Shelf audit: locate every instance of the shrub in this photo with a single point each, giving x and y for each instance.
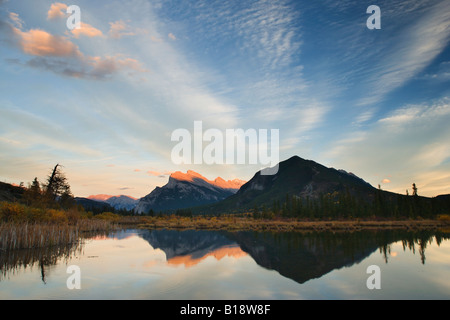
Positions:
(10, 211)
(57, 216)
(36, 215)
(444, 217)
(109, 216)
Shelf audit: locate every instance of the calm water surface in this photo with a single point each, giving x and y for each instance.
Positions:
(163, 264)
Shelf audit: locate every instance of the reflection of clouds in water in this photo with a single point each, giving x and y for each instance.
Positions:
(438, 257)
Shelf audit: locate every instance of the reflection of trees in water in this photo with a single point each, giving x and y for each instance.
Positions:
(412, 241)
(13, 261)
(302, 256)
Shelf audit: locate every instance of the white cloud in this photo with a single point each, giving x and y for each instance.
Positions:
(407, 144)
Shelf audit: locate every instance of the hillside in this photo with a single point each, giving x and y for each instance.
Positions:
(9, 192)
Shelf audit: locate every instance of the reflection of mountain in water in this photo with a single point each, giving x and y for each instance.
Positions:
(233, 251)
(298, 256)
(305, 256)
(302, 257)
(196, 244)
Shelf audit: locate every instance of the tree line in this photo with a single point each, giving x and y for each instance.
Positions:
(345, 205)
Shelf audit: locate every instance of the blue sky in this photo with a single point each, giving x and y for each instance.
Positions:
(104, 100)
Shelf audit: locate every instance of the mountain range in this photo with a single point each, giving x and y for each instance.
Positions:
(297, 177)
(121, 202)
(299, 187)
(185, 190)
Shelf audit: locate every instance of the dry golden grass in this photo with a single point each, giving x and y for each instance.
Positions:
(234, 223)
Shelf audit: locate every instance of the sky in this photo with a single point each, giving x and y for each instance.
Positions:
(103, 100)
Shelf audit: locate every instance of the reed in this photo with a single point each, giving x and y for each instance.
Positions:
(26, 235)
(38, 235)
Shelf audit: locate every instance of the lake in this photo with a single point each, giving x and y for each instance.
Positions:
(201, 265)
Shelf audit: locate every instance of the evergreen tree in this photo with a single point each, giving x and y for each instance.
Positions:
(57, 189)
(33, 195)
(414, 188)
(57, 184)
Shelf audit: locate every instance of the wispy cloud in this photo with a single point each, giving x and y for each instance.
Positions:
(413, 50)
(33, 130)
(271, 30)
(16, 20)
(119, 29)
(159, 174)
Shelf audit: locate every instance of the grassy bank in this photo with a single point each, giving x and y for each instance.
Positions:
(234, 223)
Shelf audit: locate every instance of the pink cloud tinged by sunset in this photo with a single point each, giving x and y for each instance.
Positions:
(17, 21)
(57, 10)
(110, 65)
(86, 30)
(159, 174)
(118, 29)
(41, 43)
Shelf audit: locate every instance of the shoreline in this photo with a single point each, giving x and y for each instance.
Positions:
(281, 225)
